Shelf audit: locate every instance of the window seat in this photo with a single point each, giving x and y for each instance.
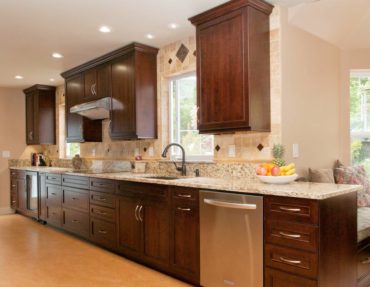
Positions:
(363, 225)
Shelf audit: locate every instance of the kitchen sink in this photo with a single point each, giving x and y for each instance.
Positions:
(163, 177)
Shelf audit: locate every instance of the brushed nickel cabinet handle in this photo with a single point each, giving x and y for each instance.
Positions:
(366, 261)
(136, 216)
(102, 199)
(140, 213)
(184, 209)
(289, 235)
(53, 193)
(289, 261)
(100, 212)
(184, 195)
(103, 231)
(290, 209)
(74, 198)
(13, 185)
(75, 221)
(13, 201)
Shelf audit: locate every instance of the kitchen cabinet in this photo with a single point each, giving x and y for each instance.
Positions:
(42, 210)
(18, 190)
(134, 94)
(40, 115)
(144, 222)
(53, 204)
(78, 128)
(233, 67)
(129, 77)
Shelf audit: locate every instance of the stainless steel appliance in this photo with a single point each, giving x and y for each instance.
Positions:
(32, 190)
(231, 239)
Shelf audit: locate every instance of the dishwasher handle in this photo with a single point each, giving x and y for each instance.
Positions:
(233, 205)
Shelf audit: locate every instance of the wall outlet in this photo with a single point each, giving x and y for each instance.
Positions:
(151, 151)
(6, 154)
(232, 151)
(295, 152)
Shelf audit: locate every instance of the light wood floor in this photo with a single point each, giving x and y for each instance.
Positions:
(35, 255)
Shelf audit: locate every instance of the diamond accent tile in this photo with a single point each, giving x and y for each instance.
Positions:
(217, 147)
(195, 53)
(260, 147)
(170, 61)
(182, 52)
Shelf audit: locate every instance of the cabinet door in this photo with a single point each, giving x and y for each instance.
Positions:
(155, 216)
(90, 84)
(42, 197)
(185, 239)
(31, 136)
(74, 95)
(103, 80)
(123, 116)
(22, 194)
(222, 82)
(129, 229)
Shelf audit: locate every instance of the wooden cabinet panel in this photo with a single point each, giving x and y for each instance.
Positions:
(103, 80)
(105, 213)
(42, 197)
(275, 278)
(102, 199)
(233, 67)
(102, 185)
(90, 85)
(104, 233)
(30, 119)
(130, 229)
(53, 195)
(75, 181)
(54, 215)
(76, 222)
(22, 194)
(155, 217)
(53, 178)
(76, 198)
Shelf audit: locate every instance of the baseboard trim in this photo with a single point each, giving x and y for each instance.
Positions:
(6, 210)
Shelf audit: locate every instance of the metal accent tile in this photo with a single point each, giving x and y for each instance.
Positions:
(217, 147)
(260, 147)
(182, 52)
(170, 61)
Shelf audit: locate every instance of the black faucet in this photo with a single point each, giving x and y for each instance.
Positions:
(183, 167)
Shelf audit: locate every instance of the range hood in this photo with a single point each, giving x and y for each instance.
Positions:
(95, 110)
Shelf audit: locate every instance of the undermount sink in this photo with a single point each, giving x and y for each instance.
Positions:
(163, 177)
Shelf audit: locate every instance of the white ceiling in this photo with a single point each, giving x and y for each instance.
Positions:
(31, 30)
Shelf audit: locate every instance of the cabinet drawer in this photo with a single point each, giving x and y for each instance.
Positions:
(76, 181)
(184, 193)
(104, 233)
(76, 198)
(363, 262)
(20, 174)
(127, 188)
(53, 195)
(54, 215)
(105, 213)
(102, 185)
(102, 199)
(76, 222)
(274, 278)
(291, 209)
(292, 261)
(53, 178)
(289, 234)
(13, 200)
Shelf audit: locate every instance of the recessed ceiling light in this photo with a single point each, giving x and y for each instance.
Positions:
(105, 29)
(150, 36)
(57, 55)
(173, 26)
(18, 77)
(51, 79)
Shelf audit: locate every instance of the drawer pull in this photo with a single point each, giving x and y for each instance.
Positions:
(13, 185)
(100, 212)
(184, 195)
(102, 199)
(75, 221)
(53, 193)
(184, 209)
(288, 235)
(289, 261)
(366, 261)
(13, 201)
(103, 231)
(290, 209)
(74, 198)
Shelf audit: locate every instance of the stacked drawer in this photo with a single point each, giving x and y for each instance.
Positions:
(291, 242)
(53, 193)
(103, 212)
(75, 203)
(15, 177)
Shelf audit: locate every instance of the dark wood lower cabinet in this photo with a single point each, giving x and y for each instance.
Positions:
(274, 278)
(42, 197)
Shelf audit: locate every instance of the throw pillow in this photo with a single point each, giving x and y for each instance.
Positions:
(321, 175)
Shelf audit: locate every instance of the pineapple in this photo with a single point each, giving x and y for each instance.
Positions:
(278, 154)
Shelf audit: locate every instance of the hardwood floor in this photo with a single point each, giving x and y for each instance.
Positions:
(35, 255)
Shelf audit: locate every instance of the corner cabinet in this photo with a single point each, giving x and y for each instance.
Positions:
(40, 115)
(233, 67)
(129, 77)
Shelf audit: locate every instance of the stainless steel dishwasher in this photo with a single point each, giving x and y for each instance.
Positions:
(231, 239)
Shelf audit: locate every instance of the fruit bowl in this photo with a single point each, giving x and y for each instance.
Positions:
(278, 179)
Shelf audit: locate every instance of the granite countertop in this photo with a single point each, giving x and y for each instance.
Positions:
(307, 190)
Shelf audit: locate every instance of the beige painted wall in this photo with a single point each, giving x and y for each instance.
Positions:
(12, 130)
(310, 97)
(350, 60)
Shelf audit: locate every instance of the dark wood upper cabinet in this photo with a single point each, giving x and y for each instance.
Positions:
(129, 77)
(78, 128)
(40, 115)
(233, 67)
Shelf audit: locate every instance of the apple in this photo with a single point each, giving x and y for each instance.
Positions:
(261, 170)
(275, 171)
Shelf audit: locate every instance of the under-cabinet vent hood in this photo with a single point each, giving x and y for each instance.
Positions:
(95, 110)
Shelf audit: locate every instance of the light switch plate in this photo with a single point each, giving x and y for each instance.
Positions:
(6, 154)
(295, 151)
(231, 150)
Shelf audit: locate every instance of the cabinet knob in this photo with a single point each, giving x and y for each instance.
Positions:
(30, 135)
